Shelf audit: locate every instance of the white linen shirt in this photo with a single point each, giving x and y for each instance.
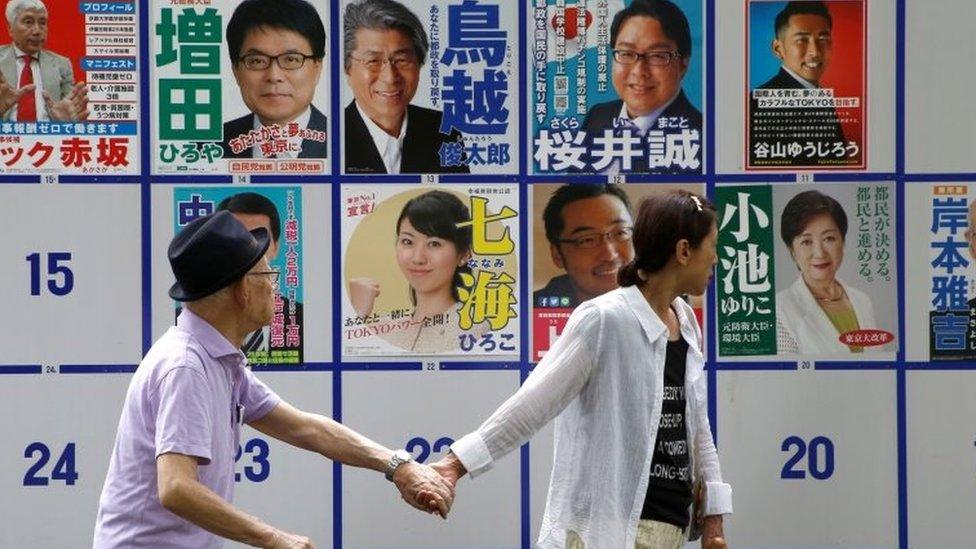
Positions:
(604, 377)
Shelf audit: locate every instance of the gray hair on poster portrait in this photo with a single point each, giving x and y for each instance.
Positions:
(382, 15)
(14, 7)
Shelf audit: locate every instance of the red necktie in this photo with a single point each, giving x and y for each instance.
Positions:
(26, 108)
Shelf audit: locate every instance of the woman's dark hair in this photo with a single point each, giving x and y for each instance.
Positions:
(437, 213)
(804, 207)
(663, 220)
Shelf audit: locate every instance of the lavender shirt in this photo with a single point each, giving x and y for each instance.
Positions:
(189, 396)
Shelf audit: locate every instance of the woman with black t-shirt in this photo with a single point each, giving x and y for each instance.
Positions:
(626, 380)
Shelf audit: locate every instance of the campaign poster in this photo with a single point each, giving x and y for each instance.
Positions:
(951, 209)
(807, 271)
(278, 209)
(437, 94)
(806, 78)
(577, 253)
(630, 107)
(73, 109)
(240, 87)
(430, 270)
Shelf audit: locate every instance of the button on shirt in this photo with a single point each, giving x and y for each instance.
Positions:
(189, 396)
(389, 147)
(38, 83)
(603, 378)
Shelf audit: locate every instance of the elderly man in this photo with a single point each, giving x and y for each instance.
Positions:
(276, 50)
(170, 480)
(651, 42)
(384, 46)
(36, 83)
(804, 44)
(589, 230)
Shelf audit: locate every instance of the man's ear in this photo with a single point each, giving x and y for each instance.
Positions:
(240, 292)
(777, 48)
(557, 256)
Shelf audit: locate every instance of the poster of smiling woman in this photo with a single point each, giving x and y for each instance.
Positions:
(430, 270)
(807, 272)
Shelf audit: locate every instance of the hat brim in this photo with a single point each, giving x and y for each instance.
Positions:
(263, 237)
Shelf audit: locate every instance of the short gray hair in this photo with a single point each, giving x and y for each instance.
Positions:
(14, 7)
(381, 15)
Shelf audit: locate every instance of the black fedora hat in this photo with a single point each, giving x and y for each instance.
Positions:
(211, 252)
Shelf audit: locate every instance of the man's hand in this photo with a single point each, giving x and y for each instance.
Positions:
(713, 536)
(362, 293)
(74, 106)
(423, 488)
(10, 95)
(284, 540)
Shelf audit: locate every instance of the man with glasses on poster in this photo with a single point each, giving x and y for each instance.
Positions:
(589, 230)
(384, 46)
(651, 42)
(276, 51)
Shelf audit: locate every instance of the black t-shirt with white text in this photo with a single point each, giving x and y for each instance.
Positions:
(669, 490)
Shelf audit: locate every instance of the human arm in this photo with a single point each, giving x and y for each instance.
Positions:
(337, 442)
(183, 494)
(557, 380)
(362, 294)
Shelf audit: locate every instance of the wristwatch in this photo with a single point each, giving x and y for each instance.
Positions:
(399, 458)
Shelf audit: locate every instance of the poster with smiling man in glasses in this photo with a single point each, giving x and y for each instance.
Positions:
(236, 85)
(616, 90)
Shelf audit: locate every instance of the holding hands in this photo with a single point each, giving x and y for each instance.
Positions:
(424, 488)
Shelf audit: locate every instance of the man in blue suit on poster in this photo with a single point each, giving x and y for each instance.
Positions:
(276, 50)
(651, 41)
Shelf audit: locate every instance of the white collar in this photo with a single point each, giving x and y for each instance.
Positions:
(18, 54)
(378, 134)
(389, 147)
(645, 122)
(302, 120)
(803, 81)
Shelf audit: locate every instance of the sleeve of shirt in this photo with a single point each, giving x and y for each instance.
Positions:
(556, 381)
(257, 398)
(718, 494)
(184, 417)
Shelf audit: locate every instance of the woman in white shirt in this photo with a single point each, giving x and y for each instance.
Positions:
(626, 380)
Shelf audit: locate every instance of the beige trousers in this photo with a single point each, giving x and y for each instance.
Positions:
(651, 534)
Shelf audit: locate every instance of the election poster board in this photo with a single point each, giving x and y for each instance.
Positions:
(72, 276)
(91, 50)
(564, 274)
(806, 84)
(806, 271)
(591, 113)
(459, 103)
(810, 445)
(442, 406)
(430, 270)
(249, 115)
